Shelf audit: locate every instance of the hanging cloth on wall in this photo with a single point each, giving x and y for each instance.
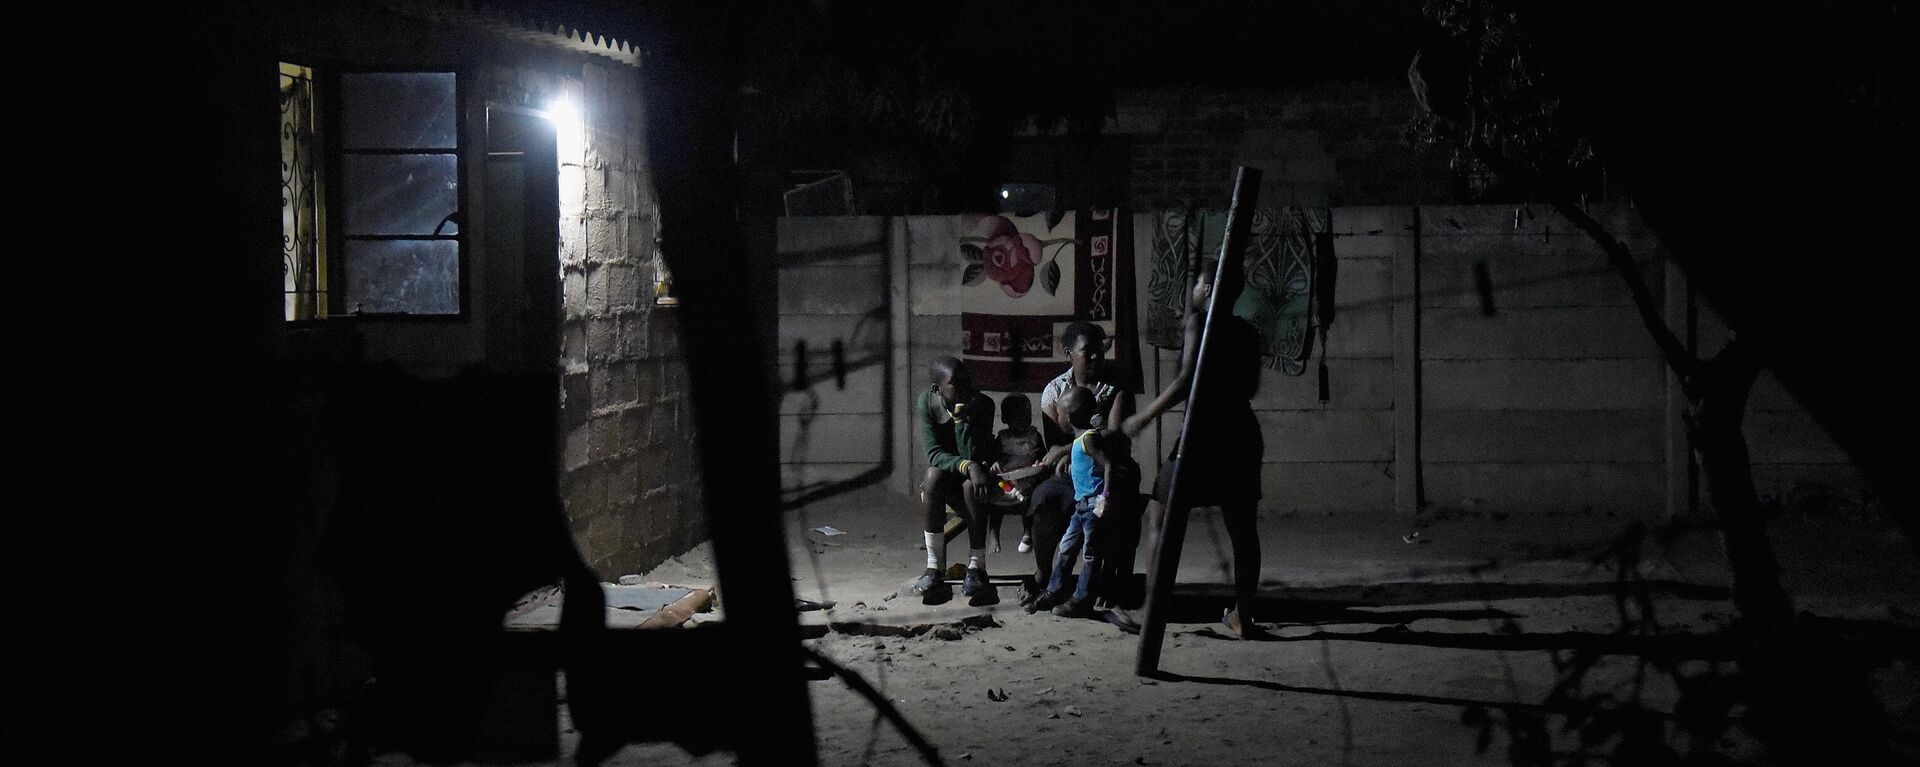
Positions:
(1285, 248)
(1024, 278)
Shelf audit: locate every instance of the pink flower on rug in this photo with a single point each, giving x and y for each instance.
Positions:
(1010, 254)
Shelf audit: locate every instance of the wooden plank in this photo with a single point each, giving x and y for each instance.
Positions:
(673, 615)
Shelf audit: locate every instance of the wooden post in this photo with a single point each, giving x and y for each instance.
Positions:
(1173, 523)
(1407, 495)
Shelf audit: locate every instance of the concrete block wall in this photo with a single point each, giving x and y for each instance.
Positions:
(1334, 456)
(1795, 462)
(833, 288)
(1555, 401)
(1325, 145)
(630, 484)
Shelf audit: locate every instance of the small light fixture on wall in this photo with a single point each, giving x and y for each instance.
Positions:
(662, 279)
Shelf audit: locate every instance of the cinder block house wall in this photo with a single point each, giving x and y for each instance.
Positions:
(630, 488)
(630, 483)
(612, 371)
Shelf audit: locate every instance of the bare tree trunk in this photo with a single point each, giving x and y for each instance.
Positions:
(1717, 392)
(1718, 404)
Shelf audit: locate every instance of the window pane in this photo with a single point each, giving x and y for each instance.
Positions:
(397, 110)
(400, 194)
(413, 276)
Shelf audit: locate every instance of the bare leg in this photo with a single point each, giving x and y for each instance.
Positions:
(1240, 519)
(976, 586)
(978, 513)
(934, 500)
(996, 518)
(936, 493)
(1150, 526)
(1150, 533)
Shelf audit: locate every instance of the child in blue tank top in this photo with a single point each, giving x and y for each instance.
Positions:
(1092, 463)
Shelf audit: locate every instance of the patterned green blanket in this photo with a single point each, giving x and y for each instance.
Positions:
(1285, 245)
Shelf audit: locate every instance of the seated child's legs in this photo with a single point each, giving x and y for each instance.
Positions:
(940, 489)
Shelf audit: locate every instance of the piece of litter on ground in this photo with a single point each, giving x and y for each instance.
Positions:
(829, 530)
(1072, 710)
(1410, 537)
(1043, 691)
(967, 756)
(630, 580)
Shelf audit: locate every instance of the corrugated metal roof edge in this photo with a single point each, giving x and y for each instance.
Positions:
(518, 26)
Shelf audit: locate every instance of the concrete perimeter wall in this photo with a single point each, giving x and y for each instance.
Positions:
(1483, 358)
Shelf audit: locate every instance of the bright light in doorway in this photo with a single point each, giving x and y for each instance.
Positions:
(569, 128)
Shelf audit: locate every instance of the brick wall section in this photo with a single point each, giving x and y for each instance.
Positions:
(1335, 144)
(630, 482)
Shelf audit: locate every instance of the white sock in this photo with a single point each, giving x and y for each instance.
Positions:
(976, 558)
(937, 551)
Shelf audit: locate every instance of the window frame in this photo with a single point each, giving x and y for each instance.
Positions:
(332, 128)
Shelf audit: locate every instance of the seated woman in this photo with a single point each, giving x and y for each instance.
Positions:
(1052, 500)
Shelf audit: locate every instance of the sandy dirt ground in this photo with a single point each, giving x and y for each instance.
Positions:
(1381, 651)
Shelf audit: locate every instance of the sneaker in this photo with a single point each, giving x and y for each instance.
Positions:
(931, 587)
(978, 590)
(1026, 544)
(1074, 608)
(1047, 600)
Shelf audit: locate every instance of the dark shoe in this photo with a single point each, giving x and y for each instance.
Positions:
(978, 590)
(931, 587)
(1074, 608)
(1125, 620)
(1027, 595)
(1047, 600)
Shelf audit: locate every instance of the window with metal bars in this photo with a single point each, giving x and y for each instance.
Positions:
(375, 230)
